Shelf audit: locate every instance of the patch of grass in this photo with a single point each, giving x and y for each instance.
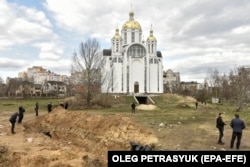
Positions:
(185, 127)
(28, 104)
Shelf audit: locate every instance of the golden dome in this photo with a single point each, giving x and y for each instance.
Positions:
(131, 23)
(151, 36)
(117, 35)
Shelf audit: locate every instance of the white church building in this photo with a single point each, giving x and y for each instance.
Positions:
(132, 65)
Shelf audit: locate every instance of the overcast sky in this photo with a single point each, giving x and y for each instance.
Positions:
(194, 36)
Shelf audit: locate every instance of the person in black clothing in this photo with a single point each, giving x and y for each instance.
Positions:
(196, 105)
(49, 107)
(237, 125)
(20, 117)
(133, 107)
(36, 108)
(12, 120)
(220, 125)
(66, 105)
(61, 104)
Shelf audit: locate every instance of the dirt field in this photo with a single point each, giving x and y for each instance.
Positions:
(78, 139)
(83, 139)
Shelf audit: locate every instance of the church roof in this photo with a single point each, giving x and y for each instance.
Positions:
(159, 54)
(106, 52)
(131, 23)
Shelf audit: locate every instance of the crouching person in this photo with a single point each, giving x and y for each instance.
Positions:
(12, 120)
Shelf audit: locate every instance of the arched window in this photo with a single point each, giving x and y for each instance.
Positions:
(136, 50)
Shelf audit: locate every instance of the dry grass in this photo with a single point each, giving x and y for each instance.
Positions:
(185, 127)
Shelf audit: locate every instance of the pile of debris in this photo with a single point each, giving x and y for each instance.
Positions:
(138, 147)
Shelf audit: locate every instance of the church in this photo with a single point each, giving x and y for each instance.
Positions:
(132, 65)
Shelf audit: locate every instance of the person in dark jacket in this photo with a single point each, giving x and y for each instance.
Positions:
(36, 108)
(21, 113)
(66, 105)
(12, 120)
(220, 125)
(49, 107)
(196, 105)
(133, 107)
(237, 125)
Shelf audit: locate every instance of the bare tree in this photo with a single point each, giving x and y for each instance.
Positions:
(12, 86)
(109, 81)
(239, 79)
(226, 89)
(2, 87)
(86, 67)
(214, 81)
(203, 94)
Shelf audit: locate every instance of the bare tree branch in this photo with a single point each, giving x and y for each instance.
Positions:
(86, 68)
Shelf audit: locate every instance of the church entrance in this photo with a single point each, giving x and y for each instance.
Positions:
(136, 87)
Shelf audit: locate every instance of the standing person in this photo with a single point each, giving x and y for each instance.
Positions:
(133, 107)
(66, 105)
(12, 120)
(36, 108)
(20, 117)
(237, 125)
(49, 107)
(220, 125)
(196, 105)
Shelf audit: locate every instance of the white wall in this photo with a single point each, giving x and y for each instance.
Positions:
(137, 74)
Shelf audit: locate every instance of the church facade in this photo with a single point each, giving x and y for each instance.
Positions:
(132, 65)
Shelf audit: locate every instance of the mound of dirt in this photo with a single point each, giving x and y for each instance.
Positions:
(78, 139)
(146, 107)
